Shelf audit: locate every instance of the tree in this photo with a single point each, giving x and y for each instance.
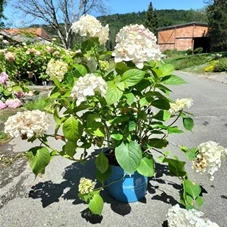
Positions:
(151, 21)
(2, 4)
(59, 14)
(217, 21)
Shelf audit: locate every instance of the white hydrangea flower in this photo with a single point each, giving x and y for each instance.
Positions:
(178, 217)
(180, 104)
(208, 158)
(87, 86)
(56, 69)
(90, 26)
(86, 186)
(137, 44)
(27, 124)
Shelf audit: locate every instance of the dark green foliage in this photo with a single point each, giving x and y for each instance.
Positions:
(221, 65)
(151, 21)
(198, 50)
(217, 21)
(189, 51)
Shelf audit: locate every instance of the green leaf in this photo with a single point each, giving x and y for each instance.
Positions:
(163, 115)
(174, 129)
(161, 103)
(176, 167)
(158, 143)
(143, 102)
(166, 69)
(129, 156)
(130, 98)
(81, 69)
(131, 126)
(72, 129)
(113, 93)
(102, 177)
(94, 126)
(173, 80)
(191, 188)
(39, 158)
(191, 153)
(96, 204)
(121, 67)
(116, 136)
(146, 167)
(188, 123)
(70, 148)
(132, 77)
(102, 162)
(199, 201)
(55, 95)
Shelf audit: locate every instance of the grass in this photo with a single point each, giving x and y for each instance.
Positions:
(41, 104)
(192, 63)
(187, 61)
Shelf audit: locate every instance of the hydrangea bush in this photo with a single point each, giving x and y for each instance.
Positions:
(124, 105)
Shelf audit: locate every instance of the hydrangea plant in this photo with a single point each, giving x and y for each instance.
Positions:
(124, 105)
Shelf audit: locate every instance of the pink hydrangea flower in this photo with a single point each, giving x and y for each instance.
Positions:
(13, 103)
(2, 105)
(3, 78)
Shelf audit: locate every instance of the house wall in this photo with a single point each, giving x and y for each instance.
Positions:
(180, 38)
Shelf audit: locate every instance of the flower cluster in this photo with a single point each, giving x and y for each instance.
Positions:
(180, 104)
(27, 124)
(3, 78)
(137, 44)
(104, 65)
(9, 56)
(87, 86)
(2, 105)
(208, 158)
(13, 103)
(86, 186)
(178, 217)
(90, 26)
(56, 69)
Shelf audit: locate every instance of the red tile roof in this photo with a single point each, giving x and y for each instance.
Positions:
(39, 32)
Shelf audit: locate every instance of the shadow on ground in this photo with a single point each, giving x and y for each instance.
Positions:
(50, 192)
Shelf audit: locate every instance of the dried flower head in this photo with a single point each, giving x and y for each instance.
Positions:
(178, 217)
(208, 158)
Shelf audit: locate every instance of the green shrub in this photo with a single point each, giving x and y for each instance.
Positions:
(198, 50)
(210, 66)
(189, 61)
(221, 65)
(189, 52)
(173, 53)
(39, 104)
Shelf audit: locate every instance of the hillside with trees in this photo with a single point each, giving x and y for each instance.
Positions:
(164, 18)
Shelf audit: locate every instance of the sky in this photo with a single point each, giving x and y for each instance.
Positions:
(123, 6)
(126, 6)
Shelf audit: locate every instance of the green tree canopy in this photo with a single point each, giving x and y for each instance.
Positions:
(217, 21)
(151, 21)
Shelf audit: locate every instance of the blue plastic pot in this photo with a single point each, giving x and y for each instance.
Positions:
(129, 189)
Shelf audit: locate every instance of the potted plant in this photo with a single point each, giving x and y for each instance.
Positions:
(118, 101)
